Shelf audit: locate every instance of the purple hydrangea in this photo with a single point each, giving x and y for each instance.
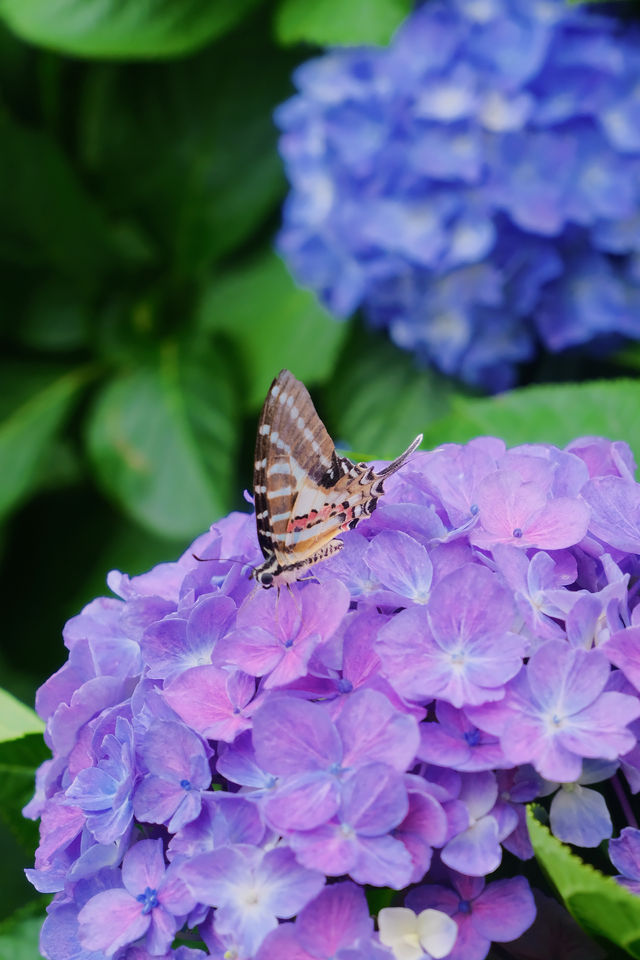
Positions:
(475, 187)
(233, 766)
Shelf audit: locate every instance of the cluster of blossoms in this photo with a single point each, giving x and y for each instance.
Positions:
(475, 187)
(228, 758)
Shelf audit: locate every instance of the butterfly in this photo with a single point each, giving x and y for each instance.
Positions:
(305, 494)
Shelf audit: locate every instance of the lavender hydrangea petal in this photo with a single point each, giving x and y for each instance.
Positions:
(476, 851)
(623, 650)
(328, 848)
(516, 512)
(173, 751)
(337, 917)
(401, 564)
(382, 861)
(211, 700)
(237, 762)
(371, 729)
(290, 736)
(59, 935)
(580, 816)
(110, 920)
(374, 799)
(625, 853)
(504, 910)
(581, 676)
(290, 886)
(303, 802)
(615, 506)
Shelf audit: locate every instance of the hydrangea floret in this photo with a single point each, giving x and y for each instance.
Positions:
(234, 768)
(474, 188)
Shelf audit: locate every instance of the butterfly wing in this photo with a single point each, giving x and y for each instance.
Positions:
(293, 451)
(321, 512)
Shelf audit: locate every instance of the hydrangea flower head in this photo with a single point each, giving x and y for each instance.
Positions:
(475, 187)
(238, 765)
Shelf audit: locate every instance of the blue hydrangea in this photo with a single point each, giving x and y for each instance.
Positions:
(475, 187)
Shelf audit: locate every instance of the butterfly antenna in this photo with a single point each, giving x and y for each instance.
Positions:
(402, 459)
(244, 563)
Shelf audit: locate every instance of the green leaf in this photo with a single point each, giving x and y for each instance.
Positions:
(28, 430)
(111, 28)
(546, 414)
(163, 440)
(16, 718)
(56, 318)
(46, 217)
(601, 906)
(327, 22)
(19, 760)
(379, 400)
(273, 324)
(20, 934)
(628, 357)
(200, 169)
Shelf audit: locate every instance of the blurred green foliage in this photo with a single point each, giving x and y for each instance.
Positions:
(144, 315)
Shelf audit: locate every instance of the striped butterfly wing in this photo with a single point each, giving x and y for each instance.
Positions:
(305, 494)
(294, 453)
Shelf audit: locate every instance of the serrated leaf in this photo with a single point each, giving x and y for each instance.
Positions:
(328, 22)
(19, 760)
(163, 439)
(601, 906)
(27, 432)
(46, 217)
(546, 414)
(16, 718)
(200, 170)
(110, 28)
(273, 324)
(379, 400)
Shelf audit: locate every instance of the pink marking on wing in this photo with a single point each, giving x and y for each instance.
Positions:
(301, 523)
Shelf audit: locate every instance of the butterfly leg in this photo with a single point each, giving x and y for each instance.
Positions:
(293, 597)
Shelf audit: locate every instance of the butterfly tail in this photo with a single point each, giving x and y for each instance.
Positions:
(399, 461)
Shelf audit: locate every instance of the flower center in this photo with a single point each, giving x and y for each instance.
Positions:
(336, 769)
(252, 897)
(148, 899)
(517, 533)
(344, 685)
(185, 784)
(472, 737)
(554, 722)
(457, 658)
(412, 939)
(464, 906)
